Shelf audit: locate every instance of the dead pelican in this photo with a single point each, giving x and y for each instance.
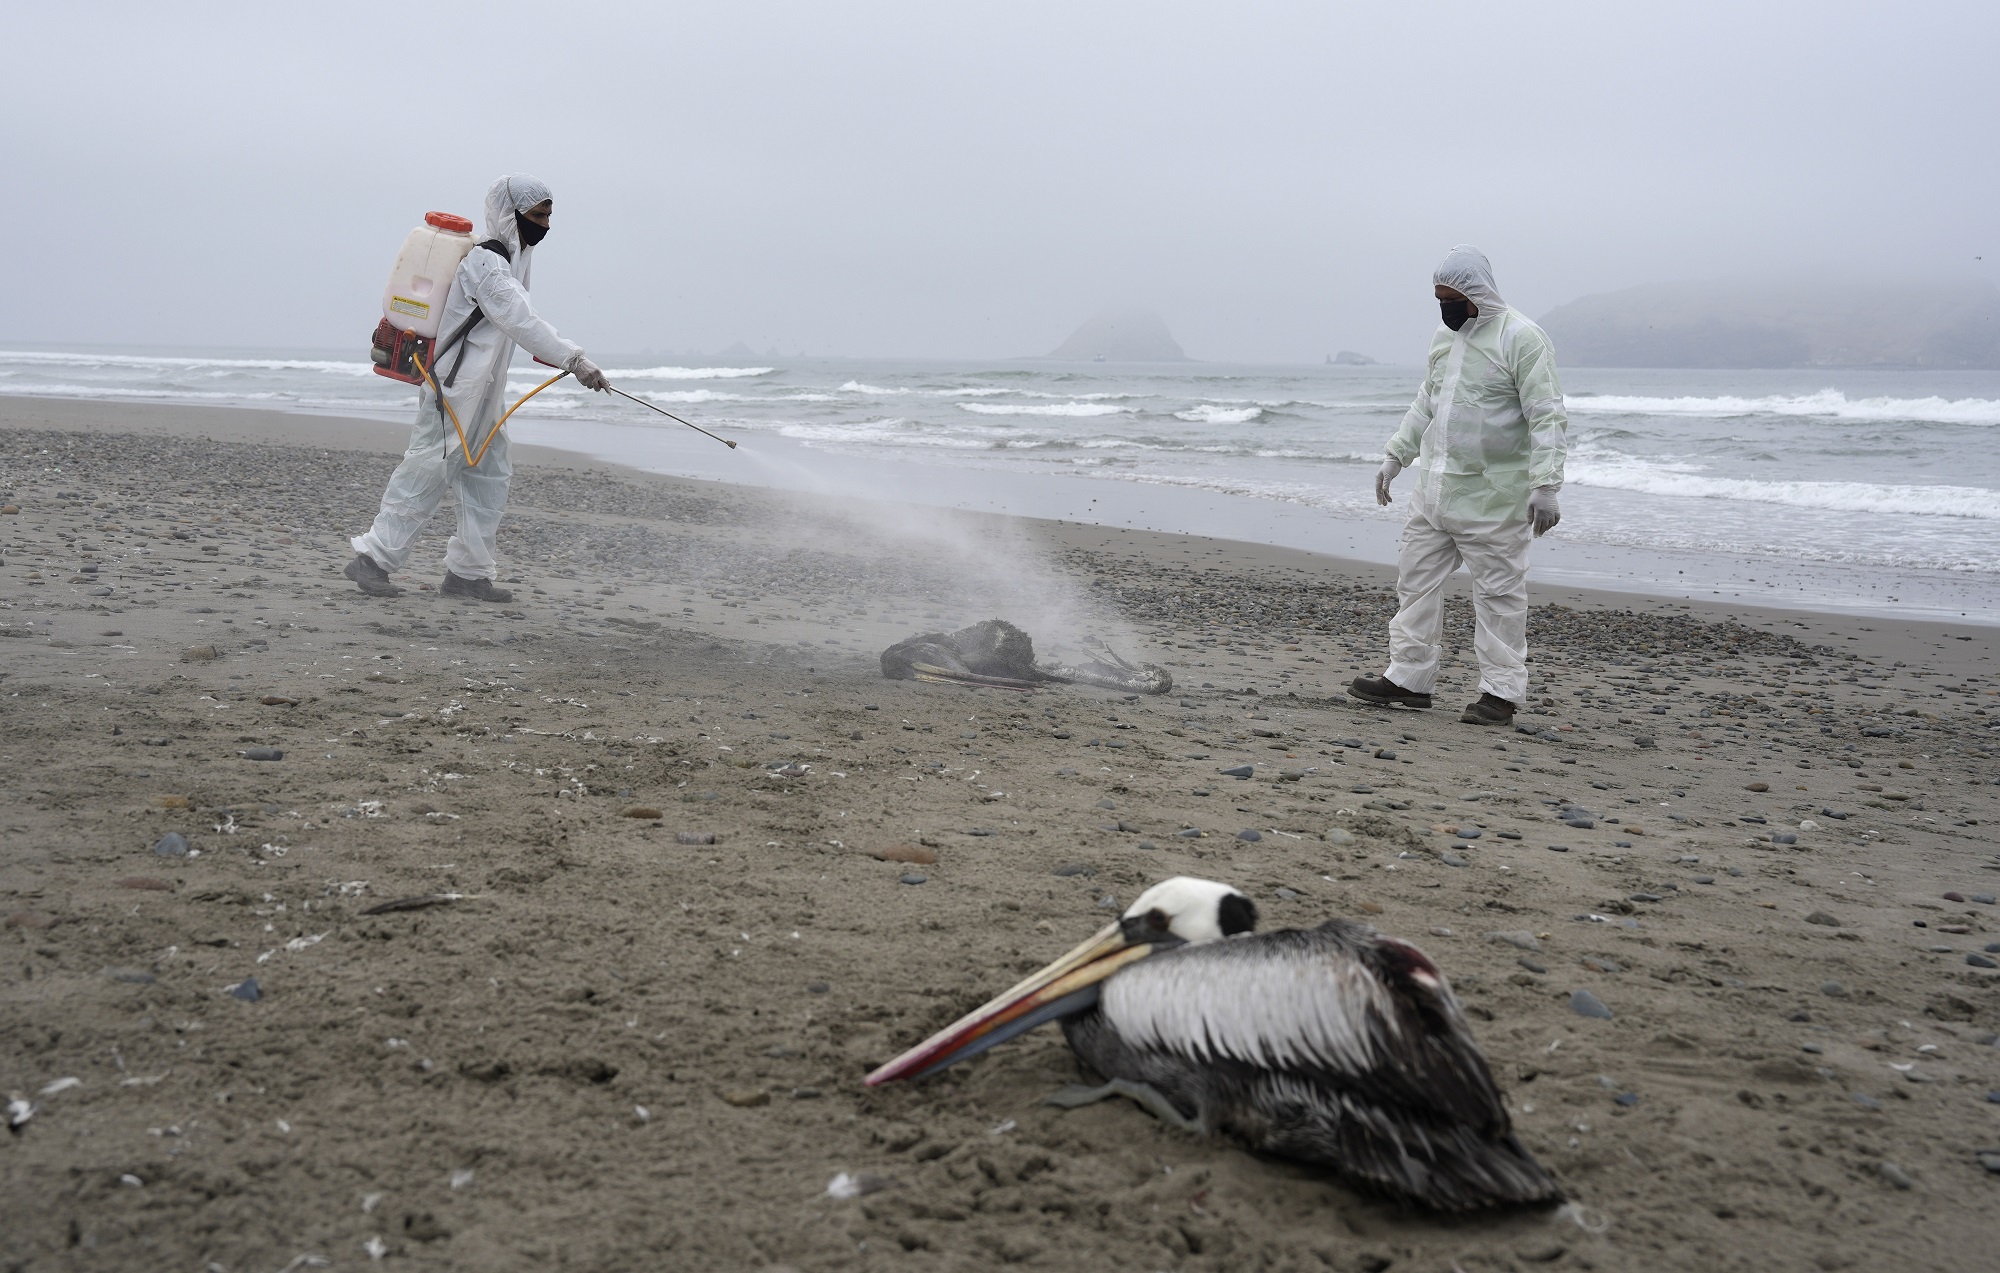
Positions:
(996, 653)
(1333, 1045)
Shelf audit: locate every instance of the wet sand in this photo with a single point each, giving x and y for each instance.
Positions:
(618, 1049)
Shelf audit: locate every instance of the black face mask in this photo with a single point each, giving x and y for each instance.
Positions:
(531, 233)
(1456, 313)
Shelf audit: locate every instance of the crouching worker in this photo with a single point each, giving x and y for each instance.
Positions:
(486, 315)
(1488, 436)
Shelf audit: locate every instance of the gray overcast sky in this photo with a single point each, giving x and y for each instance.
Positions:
(932, 179)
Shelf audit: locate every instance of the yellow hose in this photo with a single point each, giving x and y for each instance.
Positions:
(463, 447)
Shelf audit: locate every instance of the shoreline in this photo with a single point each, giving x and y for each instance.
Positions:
(671, 866)
(1763, 584)
(1905, 637)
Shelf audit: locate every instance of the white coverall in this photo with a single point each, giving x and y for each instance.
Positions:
(434, 460)
(1487, 428)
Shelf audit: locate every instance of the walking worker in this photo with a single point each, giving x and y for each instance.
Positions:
(1487, 436)
(485, 316)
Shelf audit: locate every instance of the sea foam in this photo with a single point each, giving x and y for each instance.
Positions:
(1827, 403)
(1044, 408)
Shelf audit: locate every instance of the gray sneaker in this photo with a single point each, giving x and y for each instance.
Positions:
(473, 589)
(370, 578)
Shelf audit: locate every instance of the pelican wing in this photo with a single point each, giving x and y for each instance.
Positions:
(1338, 1004)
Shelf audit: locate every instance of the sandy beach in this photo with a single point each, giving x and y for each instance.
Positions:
(654, 788)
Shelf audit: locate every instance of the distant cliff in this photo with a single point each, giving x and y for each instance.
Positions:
(1781, 325)
(1121, 338)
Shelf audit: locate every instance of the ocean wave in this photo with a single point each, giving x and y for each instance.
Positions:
(1847, 497)
(1827, 403)
(149, 360)
(1210, 413)
(892, 431)
(690, 373)
(1046, 409)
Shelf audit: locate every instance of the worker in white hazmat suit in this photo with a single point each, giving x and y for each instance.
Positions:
(486, 315)
(1487, 436)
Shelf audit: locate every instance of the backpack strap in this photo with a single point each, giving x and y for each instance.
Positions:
(500, 249)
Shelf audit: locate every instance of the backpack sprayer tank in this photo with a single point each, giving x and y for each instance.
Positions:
(413, 302)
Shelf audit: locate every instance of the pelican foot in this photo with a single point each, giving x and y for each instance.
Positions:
(1151, 1099)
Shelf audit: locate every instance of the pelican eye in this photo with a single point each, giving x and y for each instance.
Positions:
(1153, 926)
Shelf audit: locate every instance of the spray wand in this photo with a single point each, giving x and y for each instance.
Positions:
(670, 415)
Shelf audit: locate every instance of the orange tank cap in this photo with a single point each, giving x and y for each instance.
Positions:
(448, 221)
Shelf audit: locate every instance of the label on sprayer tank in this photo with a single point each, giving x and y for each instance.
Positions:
(404, 305)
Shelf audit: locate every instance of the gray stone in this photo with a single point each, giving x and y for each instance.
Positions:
(912, 878)
(1250, 834)
(1895, 1175)
(1521, 940)
(1833, 990)
(1453, 859)
(1339, 835)
(171, 845)
(1980, 961)
(1531, 965)
(247, 990)
(1821, 917)
(1240, 772)
(131, 976)
(262, 753)
(1585, 1004)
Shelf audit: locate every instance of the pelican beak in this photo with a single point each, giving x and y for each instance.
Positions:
(1066, 986)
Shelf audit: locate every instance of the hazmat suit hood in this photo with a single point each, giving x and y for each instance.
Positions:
(1465, 268)
(518, 193)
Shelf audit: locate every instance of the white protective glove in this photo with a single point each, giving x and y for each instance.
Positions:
(1543, 510)
(586, 372)
(1385, 475)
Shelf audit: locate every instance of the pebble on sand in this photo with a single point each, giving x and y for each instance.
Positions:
(28, 919)
(913, 878)
(1338, 835)
(199, 653)
(262, 753)
(746, 1098)
(1822, 918)
(1895, 1175)
(1758, 786)
(145, 882)
(643, 811)
(694, 837)
(1585, 1004)
(171, 845)
(247, 990)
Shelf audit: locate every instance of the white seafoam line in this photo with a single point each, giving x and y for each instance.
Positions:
(1827, 403)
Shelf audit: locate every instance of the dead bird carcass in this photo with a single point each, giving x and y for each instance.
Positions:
(997, 653)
